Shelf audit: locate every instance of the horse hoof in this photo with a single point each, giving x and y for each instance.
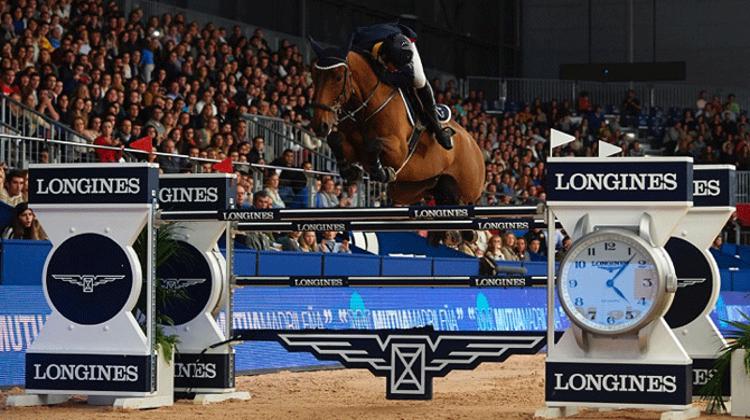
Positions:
(351, 173)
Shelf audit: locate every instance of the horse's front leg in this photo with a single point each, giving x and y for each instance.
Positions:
(345, 156)
(378, 172)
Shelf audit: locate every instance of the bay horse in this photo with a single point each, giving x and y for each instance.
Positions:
(373, 127)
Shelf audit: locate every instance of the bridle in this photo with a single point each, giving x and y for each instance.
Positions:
(338, 108)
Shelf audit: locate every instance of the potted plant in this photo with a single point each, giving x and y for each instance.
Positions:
(735, 358)
(166, 248)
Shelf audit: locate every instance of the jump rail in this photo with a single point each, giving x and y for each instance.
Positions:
(350, 214)
(393, 281)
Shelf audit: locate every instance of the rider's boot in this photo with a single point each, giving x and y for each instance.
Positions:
(442, 135)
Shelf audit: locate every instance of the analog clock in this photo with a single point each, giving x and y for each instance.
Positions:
(613, 282)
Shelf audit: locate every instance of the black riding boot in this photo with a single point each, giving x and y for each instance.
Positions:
(442, 135)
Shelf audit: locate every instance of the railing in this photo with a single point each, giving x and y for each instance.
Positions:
(281, 135)
(19, 151)
(665, 95)
(743, 187)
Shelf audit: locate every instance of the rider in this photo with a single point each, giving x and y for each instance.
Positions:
(394, 46)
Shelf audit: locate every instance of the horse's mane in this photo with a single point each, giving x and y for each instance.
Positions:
(374, 64)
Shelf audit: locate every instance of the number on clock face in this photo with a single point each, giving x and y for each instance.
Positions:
(609, 282)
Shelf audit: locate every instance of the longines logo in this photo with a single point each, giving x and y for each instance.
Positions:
(615, 383)
(440, 213)
(176, 284)
(57, 186)
(247, 216)
(195, 370)
(706, 187)
(318, 227)
(88, 281)
(481, 225)
(500, 282)
(188, 194)
(616, 182)
(312, 282)
(83, 372)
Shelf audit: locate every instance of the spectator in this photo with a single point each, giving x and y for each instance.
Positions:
(567, 243)
(257, 152)
(106, 139)
(14, 185)
(170, 164)
(290, 241)
(631, 108)
(701, 102)
(351, 195)
(241, 201)
(25, 225)
(289, 181)
(469, 244)
(521, 250)
(260, 241)
(326, 198)
(309, 242)
(272, 189)
(4, 197)
(536, 253)
(329, 244)
(509, 244)
(717, 243)
(494, 248)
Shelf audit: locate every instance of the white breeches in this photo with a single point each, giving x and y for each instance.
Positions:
(419, 78)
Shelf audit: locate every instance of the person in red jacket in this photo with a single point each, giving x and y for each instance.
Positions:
(106, 139)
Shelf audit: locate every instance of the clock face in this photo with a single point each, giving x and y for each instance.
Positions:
(609, 282)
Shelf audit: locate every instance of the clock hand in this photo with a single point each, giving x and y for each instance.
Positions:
(611, 282)
(619, 293)
(624, 266)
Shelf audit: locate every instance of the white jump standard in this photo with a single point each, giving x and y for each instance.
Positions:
(92, 344)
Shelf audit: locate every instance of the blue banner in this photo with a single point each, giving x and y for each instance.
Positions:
(714, 185)
(619, 180)
(333, 308)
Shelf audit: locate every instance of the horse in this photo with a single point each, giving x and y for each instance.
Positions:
(373, 130)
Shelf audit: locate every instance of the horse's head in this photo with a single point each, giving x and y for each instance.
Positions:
(332, 79)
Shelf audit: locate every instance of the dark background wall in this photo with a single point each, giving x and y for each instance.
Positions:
(461, 37)
(712, 37)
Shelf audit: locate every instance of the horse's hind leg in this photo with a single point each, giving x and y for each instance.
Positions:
(447, 191)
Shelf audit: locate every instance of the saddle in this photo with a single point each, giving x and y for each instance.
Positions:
(414, 112)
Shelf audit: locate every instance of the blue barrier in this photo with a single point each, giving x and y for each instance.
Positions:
(351, 265)
(289, 264)
(455, 266)
(23, 262)
(406, 266)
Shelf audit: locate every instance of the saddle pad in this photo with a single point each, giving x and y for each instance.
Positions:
(409, 110)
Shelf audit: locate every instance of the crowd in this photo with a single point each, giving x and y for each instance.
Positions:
(715, 131)
(118, 78)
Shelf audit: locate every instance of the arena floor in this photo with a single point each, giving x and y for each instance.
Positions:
(511, 390)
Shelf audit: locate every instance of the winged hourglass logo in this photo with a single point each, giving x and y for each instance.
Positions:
(88, 281)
